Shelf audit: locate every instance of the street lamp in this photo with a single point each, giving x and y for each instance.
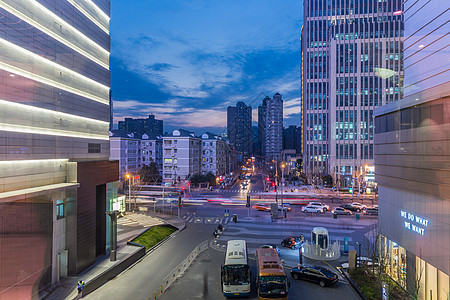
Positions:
(359, 254)
(128, 176)
(282, 188)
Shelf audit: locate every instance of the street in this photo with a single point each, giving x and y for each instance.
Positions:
(202, 279)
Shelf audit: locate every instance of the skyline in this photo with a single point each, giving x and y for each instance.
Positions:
(193, 60)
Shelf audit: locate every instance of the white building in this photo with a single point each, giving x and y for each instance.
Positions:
(213, 154)
(274, 128)
(134, 151)
(181, 155)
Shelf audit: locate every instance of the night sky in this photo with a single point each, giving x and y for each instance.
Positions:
(187, 61)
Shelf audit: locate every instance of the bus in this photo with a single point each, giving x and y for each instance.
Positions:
(236, 274)
(271, 280)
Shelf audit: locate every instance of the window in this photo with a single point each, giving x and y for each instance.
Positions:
(60, 209)
(94, 148)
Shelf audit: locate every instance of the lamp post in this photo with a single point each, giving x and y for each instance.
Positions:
(128, 176)
(359, 254)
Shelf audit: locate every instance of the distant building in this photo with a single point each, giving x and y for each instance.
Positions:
(239, 129)
(274, 128)
(292, 138)
(256, 145)
(141, 126)
(262, 109)
(134, 151)
(213, 154)
(181, 155)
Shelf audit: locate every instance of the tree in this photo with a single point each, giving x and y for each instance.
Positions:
(150, 174)
(328, 180)
(210, 178)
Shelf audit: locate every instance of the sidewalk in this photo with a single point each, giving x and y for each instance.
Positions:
(66, 288)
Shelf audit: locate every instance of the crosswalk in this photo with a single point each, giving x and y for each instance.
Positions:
(240, 191)
(206, 220)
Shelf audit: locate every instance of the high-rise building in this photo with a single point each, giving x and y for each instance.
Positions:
(274, 128)
(141, 126)
(412, 150)
(351, 64)
(262, 109)
(292, 138)
(56, 180)
(239, 129)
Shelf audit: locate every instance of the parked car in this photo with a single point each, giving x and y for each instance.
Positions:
(312, 209)
(262, 207)
(324, 207)
(341, 211)
(318, 274)
(290, 242)
(273, 246)
(351, 207)
(371, 210)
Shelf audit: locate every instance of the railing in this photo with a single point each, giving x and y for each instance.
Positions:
(314, 251)
(181, 268)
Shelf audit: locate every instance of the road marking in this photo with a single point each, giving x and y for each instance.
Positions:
(208, 220)
(198, 220)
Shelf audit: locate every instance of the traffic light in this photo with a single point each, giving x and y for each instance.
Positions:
(182, 188)
(350, 190)
(267, 178)
(179, 202)
(273, 183)
(248, 201)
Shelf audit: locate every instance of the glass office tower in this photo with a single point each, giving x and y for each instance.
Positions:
(351, 64)
(56, 180)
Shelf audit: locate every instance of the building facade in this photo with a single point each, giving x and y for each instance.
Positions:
(181, 156)
(239, 129)
(351, 64)
(262, 109)
(213, 154)
(292, 138)
(274, 128)
(134, 151)
(142, 126)
(412, 150)
(56, 180)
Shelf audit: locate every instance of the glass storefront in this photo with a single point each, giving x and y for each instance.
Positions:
(430, 282)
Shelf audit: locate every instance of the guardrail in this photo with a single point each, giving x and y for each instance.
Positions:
(181, 268)
(314, 251)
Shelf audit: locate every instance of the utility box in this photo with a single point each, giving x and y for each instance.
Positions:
(352, 259)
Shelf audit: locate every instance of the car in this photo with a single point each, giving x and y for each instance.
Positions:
(351, 207)
(290, 242)
(283, 208)
(319, 274)
(341, 211)
(312, 209)
(262, 207)
(324, 207)
(359, 205)
(273, 246)
(371, 210)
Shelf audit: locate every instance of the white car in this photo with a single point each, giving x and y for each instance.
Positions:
(358, 205)
(312, 209)
(322, 206)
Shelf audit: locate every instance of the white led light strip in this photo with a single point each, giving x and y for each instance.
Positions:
(37, 161)
(13, 69)
(47, 131)
(88, 15)
(56, 114)
(39, 8)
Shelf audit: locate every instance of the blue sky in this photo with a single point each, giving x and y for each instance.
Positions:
(187, 61)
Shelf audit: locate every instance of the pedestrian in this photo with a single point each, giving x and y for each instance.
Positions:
(302, 238)
(80, 286)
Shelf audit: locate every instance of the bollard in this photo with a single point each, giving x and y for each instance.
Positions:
(161, 289)
(155, 295)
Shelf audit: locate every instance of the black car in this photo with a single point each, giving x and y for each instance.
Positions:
(318, 274)
(351, 207)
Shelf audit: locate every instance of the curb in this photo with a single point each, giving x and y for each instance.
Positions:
(353, 284)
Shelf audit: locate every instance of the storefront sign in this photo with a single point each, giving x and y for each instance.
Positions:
(414, 222)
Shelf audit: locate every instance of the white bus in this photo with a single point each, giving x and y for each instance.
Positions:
(236, 272)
